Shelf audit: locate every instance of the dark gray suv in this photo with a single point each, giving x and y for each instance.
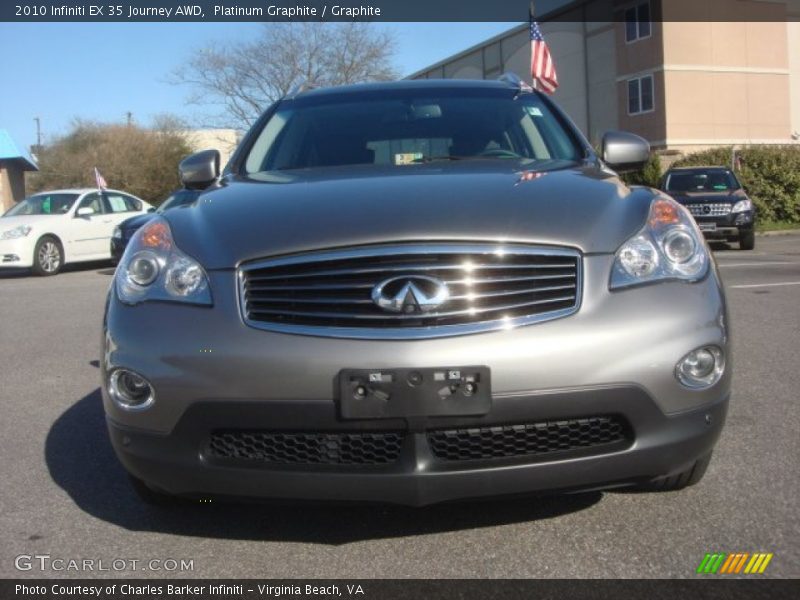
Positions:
(416, 292)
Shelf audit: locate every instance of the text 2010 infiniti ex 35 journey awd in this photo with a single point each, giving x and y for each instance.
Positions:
(416, 292)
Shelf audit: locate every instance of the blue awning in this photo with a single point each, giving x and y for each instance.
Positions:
(10, 151)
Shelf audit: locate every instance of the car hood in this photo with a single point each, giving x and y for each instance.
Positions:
(296, 211)
(32, 220)
(137, 221)
(708, 197)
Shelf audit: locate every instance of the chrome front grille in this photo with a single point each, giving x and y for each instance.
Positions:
(717, 209)
(488, 287)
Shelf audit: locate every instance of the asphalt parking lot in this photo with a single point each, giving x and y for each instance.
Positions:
(64, 495)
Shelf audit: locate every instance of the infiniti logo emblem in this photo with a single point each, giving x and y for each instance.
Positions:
(410, 294)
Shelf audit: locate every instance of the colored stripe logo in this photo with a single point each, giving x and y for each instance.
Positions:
(735, 563)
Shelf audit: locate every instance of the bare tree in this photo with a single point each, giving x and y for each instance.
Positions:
(131, 158)
(242, 79)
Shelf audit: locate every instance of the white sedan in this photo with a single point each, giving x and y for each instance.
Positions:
(49, 229)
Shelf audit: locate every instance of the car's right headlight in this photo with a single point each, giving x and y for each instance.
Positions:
(154, 268)
(669, 246)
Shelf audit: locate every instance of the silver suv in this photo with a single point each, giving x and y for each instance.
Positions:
(416, 292)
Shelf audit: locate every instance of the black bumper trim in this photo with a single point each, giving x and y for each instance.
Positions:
(662, 445)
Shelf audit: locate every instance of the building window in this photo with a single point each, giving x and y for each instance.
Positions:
(640, 95)
(637, 22)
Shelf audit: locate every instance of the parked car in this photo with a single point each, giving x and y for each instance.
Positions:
(123, 232)
(416, 292)
(50, 229)
(717, 201)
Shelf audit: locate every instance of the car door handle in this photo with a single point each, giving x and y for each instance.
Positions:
(107, 221)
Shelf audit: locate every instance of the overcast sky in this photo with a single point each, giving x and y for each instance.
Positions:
(99, 71)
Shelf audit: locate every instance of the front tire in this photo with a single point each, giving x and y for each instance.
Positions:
(747, 240)
(48, 256)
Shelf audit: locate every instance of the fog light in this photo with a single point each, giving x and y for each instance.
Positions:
(130, 390)
(701, 368)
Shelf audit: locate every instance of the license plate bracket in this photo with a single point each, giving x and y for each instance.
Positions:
(425, 392)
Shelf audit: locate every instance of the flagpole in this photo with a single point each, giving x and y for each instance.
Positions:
(531, 12)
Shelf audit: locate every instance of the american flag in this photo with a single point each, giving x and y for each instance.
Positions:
(543, 71)
(101, 181)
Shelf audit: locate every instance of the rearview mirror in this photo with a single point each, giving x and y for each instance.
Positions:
(85, 211)
(200, 170)
(624, 151)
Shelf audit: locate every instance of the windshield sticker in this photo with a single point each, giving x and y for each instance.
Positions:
(407, 158)
(534, 111)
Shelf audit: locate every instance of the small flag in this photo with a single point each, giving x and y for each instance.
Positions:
(543, 71)
(101, 181)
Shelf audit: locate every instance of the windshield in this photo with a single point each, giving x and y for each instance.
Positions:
(401, 128)
(179, 198)
(701, 181)
(43, 204)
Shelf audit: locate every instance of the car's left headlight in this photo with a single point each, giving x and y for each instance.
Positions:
(669, 246)
(19, 231)
(742, 206)
(154, 268)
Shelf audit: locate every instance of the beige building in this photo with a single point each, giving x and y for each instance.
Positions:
(683, 84)
(224, 140)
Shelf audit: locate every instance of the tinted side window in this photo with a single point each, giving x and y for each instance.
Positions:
(92, 201)
(118, 203)
(132, 203)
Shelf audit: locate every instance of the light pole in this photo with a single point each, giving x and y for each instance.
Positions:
(38, 147)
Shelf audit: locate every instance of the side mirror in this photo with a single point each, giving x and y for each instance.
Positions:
(152, 209)
(84, 211)
(624, 151)
(200, 170)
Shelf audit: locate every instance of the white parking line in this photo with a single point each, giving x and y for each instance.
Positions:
(757, 264)
(755, 285)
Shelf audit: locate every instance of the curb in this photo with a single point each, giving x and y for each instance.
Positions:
(778, 232)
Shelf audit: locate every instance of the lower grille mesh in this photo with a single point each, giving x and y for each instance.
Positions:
(525, 440)
(307, 448)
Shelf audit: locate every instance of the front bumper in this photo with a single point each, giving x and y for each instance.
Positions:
(728, 227)
(615, 356)
(118, 246)
(656, 445)
(16, 253)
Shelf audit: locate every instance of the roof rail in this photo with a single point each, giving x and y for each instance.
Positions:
(515, 81)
